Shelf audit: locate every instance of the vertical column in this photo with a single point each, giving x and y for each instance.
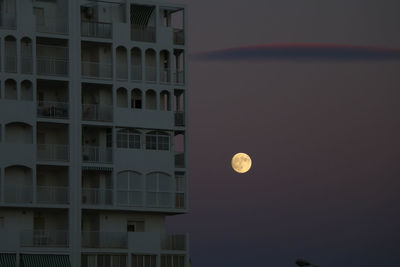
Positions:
(2, 181)
(158, 66)
(113, 62)
(113, 174)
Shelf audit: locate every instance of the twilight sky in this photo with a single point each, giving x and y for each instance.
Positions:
(323, 136)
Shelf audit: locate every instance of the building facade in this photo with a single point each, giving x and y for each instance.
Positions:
(93, 133)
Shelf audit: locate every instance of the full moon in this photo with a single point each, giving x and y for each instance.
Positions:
(241, 162)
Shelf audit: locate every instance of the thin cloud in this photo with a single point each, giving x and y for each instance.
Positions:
(302, 52)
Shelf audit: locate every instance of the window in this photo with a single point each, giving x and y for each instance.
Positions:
(172, 260)
(159, 190)
(135, 226)
(144, 260)
(157, 141)
(128, 138)
(130, 189)
(93, 260)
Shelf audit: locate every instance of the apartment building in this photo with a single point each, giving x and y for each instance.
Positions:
(93, 133)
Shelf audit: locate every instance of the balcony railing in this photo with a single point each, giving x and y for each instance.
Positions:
(165, 75)
(52, 194)
(7, 22)
(122, 72)
(141, 33)
(151, 74)
(159, 199)
(52, 25)
(54, 110)
(10, 64)
(44, 238)
(27, 65)
(96, 70)
(136, 72)
(94, 239)
(97, 196)
(180, 160)
(51, 66)
(174, 242)
(179, 37)
(96, 29)
(52, 152)
(18, 193)
(179, 77)
(97, 154)
(130, 198)
(179, 118)
(95, 112)
(180, 200)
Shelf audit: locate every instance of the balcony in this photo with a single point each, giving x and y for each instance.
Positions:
(52, 66)
(53, 152)
(174, 242)
(7, 22)
(97, 70)
(10, 64)
(95, 239)
(51, 25)
(95, 112)
(130, 198)
(179, 77)
(95, 154)
(179, 118)
(96, 29)
(136, 72)
(18, 193)
(179, 37)
(180, 160)
(165, 76)
(44, 238)
(52, 110)
(97, 196)
(52, 194)
(142, 33)
(160, 199)
(151, 74)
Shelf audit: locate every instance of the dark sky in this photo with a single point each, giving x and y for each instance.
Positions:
(323, 136)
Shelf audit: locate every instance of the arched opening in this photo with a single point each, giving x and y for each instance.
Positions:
(136, 64)
(151, 64)
(165, 102)
(26, 90)
(10, 51)
(10, 89)
(151, 99)
(122, 63)
(18, 184)
(26, 55)
(130, 186)
(165, 68)
(136, 99)
(159, 187)
(18, 132)
(122, 98)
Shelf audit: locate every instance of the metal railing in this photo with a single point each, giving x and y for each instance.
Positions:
(51, 66)
(52, 194)
(7, 22)
(151, 74)
(179, 37)
(165, 75)
(96, 70)
(44, 238)
(179, 118)
(18, 193)
(96, 239)
(10, 64)
(159, 199)
(27, 65)
(136, 72)
(96, 112)
(180, 200)
(52, 25)
(180, 160)
(97, 196)
(173, 242)
(54, 110)
(96, 29)
(122, 72)
(52, 152)
(130, 198)
(179, 77)
(141, 33)
(97, 154)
